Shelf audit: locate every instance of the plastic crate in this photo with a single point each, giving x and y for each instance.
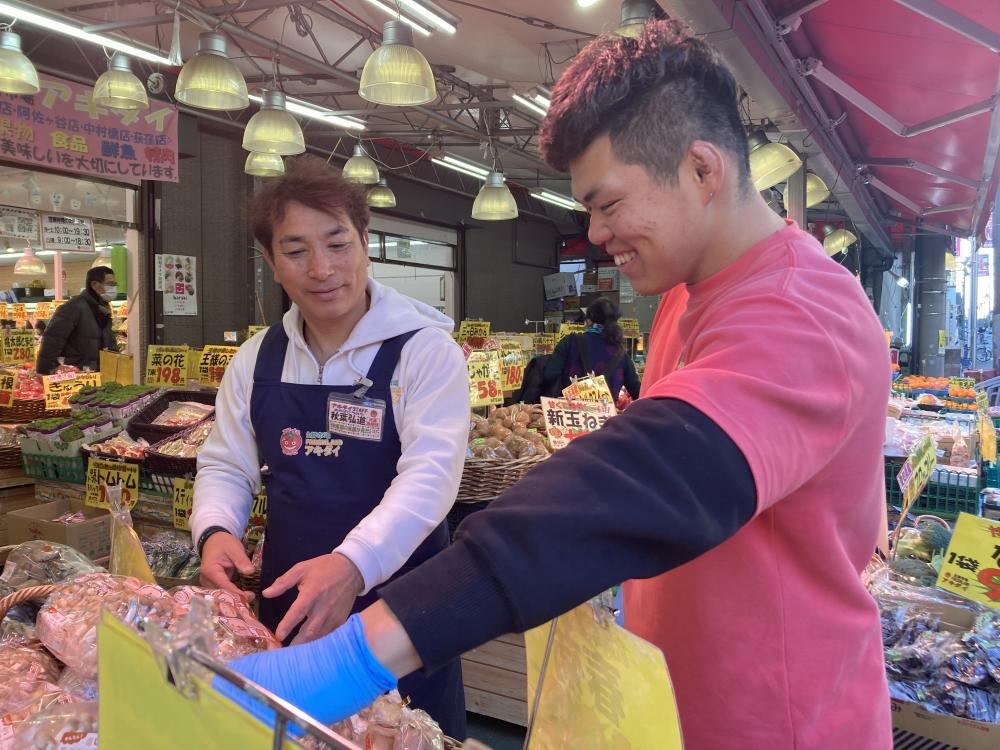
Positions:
(991, 475)
(946, 495)
(71, 469)
(155, 484)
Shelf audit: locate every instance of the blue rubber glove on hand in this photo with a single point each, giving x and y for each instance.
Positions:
(329, 678)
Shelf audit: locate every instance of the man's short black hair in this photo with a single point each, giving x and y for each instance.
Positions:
(98, 274)
(653, 96)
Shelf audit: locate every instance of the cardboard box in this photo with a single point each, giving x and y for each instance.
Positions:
(92, 537)
(914, 727)
(12, 503)
(559, 285)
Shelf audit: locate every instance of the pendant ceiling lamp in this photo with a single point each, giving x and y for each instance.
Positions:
(837, 240)
(396, 74)
(273, 130)
(119, 88)
(264, 165)
(494, 202)
(381, 196)
(635, 13)
(816, 191)
(359, 168)
(29, 265)
(770, 163)
(17, 74)
(210, 80)
(102, 260)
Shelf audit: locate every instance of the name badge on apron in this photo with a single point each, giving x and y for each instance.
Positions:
(355, 417)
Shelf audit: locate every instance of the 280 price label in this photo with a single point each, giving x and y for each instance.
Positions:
(17, 347)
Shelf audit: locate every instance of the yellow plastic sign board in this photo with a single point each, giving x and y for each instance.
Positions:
(102, 473)
(116, 368)
(591, 388)
(961, 382)
(544, 343)
(139, 708)
(17, 347)
(19, 313)
(512, 365)
(193, 360)
(983, 402)
(630, 326)
(987, 439)
(603, 687)
(166, 365)
(8, 379)
(565, 329)
(485, 386)
(60, 387)
(213, 363)
(916, 472)
(43, 311)
(183, 502)
(474, 328)
(971, 566)
(254, 330)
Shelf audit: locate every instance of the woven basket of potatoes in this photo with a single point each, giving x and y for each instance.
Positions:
(503, 447)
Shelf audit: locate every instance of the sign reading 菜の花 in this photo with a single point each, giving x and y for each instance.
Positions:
(166, 365)
(61, 127)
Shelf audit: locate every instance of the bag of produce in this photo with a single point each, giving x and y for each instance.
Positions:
(37, 563)
(28, 678)
(389, 725)
(233, 629)
(59, 727)
(184, 413)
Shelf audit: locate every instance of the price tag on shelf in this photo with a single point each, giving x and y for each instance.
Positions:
(566, 420)
(254, 330)
(8, 379)
(971, 565)
(183, 502)
(916, 472)
(17, 347)
(485, 386)
(166, 365)
(512, 365)
(19, 313)
(630, 326)
(103, 473)
(89, 379)
(474, 329)
(43, 311)
(58, 389)
(213, 363)
(4, 311)
(968, 383)
(544, 343)
(258, 517)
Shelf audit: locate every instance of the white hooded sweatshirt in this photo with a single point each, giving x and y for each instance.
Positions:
(430, 394)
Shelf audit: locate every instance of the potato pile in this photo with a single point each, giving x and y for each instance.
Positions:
(511, 432)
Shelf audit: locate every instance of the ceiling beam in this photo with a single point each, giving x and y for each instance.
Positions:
(897, 196)
(218, 10)
(920, 166)
(955, 21)
(790, 20)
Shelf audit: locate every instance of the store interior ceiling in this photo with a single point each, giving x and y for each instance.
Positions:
(898, 118)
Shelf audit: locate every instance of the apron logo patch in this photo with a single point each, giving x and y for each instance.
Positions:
(291, 441)
(322, 444)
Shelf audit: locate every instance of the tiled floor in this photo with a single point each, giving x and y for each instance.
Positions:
(497, 735)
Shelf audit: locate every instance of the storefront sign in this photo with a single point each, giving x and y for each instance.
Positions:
(43, 311)
(916, 472)
(69, 233)
(103, 473)
(485, 387)
(567, 420)
(630, 326)
(180, 285)
(19, 224)
(7, 381)
(473, 329)
(183, 502)
(971, 565)
(213, 363)
(62, 128)
(17, 347)
(166, 365)
(19, 313)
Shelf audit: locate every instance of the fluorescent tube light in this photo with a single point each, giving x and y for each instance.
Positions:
(473, 170)
(386, 8)
(306, 109)
(530, 105)
(429, 16)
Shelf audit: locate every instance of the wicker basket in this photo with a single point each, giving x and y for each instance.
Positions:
(173, 466)
(24, 595)
(10, 458)
(22, 411)
(486, 478)
(142, 425)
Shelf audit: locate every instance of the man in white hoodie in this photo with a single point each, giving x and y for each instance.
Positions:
(353, 413)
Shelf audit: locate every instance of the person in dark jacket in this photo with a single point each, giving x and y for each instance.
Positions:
(600, 350)
(81, 328)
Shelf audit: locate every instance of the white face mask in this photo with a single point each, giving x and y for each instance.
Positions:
(110, 293)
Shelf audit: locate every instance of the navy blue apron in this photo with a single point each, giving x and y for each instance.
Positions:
(320, 485)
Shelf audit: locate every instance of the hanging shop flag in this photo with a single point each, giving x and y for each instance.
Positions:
(213, 363)
(971, 565)
(62, 128)
(19, 224)
(68, 233)
(566, 420)
(180, 293)
(485, 386)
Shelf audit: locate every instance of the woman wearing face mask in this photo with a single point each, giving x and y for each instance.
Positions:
(81, 328)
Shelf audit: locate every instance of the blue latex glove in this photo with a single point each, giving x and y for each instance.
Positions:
(329, 678)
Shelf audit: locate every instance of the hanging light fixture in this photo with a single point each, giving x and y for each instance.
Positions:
(103, 259)
(837, 240)
(397, 74)
(28, 264)
(119, 88)
(381, 196)
(494, 202)
(770, 163)
(360, 168)
(272, 130)
(816, 190)
(17, 74)
(210, 80)
(635, 13)
(264, 165)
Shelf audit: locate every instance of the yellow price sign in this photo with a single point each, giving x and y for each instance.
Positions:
(89, 379)
(962, 382)
(916, 472)
(630, 326)
(544, 343)
(43, 311)
(166, 365)
(512, 365)
(213, 363)
(19, 312)
(485, 386)
(58, 389)
(983, 402)
(566, 329)
(183, 502)
(473, 328)
(4, 311)
(103, 473)
(601, 686)
(258, 517)
(988, 438)
(589, 389)
(971, 565)
(8, 379)
(254, 330)
(17, 347)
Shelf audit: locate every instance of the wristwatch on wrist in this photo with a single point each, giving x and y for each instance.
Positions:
(206, 534)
